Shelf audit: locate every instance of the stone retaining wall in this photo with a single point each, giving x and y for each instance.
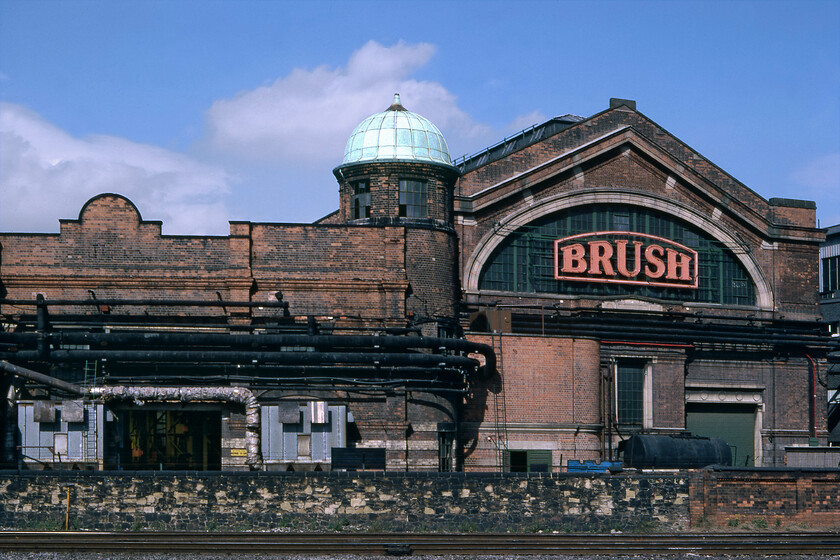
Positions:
(453, 502)
(753, 499)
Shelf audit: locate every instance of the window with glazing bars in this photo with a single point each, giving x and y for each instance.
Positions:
(412, 198)
(360, 201)
(630, 382)
(524, 261)
(831, 274)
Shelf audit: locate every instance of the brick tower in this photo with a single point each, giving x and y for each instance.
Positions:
(397, 173)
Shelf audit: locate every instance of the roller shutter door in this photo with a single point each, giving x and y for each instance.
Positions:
(734, 423)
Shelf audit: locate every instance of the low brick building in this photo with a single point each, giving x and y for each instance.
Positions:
(541, 301)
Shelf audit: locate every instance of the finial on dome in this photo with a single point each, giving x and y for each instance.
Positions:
(396, 105)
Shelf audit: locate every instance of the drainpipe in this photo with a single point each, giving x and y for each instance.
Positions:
(41, 325)
(813, 390)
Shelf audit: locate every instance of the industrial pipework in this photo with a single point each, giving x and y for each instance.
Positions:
(236, 395)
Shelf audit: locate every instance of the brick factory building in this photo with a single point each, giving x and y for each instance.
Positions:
(539, 302)
(830, 310)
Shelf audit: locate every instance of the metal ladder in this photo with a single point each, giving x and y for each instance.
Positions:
(91, 435)
(500, 408)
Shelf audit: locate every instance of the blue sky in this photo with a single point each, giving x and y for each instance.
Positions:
(207, 111)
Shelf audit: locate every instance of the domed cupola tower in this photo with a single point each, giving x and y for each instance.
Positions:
(397, 173)
(396, 169)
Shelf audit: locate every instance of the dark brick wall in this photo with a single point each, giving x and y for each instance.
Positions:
(384, 178)
(111, 251)
(336, 270)
(362, 273)
(431, 264)
(668, 375)
(769, 498)
(547, 397)
(798, 278)
(782, 387)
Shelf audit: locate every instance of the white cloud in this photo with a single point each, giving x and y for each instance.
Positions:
(525, 121)
(307, 116)
(46, 174)
(273, 147)
(819, 179)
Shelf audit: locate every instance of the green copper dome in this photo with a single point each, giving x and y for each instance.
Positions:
(396, 134)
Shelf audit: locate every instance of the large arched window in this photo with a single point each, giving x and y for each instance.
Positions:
(524, 261)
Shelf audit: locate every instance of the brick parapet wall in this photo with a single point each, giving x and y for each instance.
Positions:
(766, 497)
(340, 270)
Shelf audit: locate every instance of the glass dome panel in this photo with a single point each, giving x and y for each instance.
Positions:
(371, 139)
(404, 138)
(386, 137)
(404, 152)
(387, 152)
(419, 138)
(396, 134)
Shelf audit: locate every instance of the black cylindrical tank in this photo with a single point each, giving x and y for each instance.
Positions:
(675, 452)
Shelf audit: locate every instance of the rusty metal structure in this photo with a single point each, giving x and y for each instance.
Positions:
(157, 360)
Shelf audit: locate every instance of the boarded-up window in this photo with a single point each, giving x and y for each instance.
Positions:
(304, 445)
(532, 460)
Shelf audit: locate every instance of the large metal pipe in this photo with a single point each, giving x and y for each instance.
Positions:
(298, 358)
(710, 324)
(331, 384)
(699, 320)
(41, 324)
(286, 340)
(364, 341)
(766, 322)
(147, 302)
(361, 344)
(41, 378)
(671, 332)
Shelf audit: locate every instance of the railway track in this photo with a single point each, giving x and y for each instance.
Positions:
(405, 544)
